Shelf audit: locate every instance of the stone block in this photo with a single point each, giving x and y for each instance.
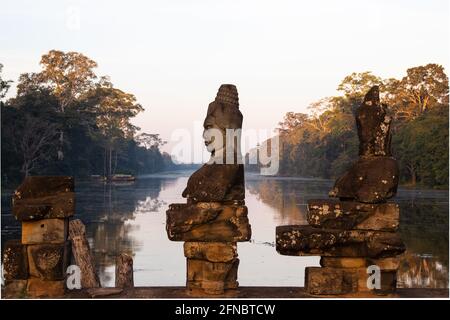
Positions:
(337, 262)
(39, 288)
(298, 240)
(342, 281)
(208, 222)
(211, 251)
(44, 197)
(391, 263)
(212, 287)
(213, 277)
(15, 289)
(45, 231)
(15, 261)
(49, 261)
(334, 214)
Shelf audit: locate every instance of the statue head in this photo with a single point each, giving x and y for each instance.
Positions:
(222, 118)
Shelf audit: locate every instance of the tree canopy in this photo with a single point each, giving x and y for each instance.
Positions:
(65, 119)
(323, 142)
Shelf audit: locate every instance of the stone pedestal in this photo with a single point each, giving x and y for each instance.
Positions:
(210, 231)
(35, 266)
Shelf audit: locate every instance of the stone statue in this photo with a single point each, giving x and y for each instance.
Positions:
(374, 177)
(214, 217)
(358, 230)
(222, 178)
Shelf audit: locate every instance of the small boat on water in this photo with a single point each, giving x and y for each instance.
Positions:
(123, 178)
(114, 178)
(97, 177)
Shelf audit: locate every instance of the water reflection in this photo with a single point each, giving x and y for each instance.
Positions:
(423, 226)
(131, 218)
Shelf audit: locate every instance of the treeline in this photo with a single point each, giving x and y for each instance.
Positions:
(324, 142)
(66, 120)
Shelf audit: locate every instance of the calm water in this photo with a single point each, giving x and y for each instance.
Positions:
(131, 218)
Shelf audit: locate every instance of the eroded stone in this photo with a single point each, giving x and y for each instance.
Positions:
(15, 289)
(211, 251)
(208, 222)
(213, 277)
(298, 240)
(373, 126)
(43, 197)
(15, 261)
(334, 214)
(392, 263)
(39, 288)
(341, 281)
(369, 180)
(343, 262)
(45, 231)
(49, 261)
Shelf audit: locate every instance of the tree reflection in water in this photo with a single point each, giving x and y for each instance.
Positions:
(111, 213)
(108, 222)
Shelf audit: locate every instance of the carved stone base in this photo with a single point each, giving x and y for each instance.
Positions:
(208, 222)
(49, 261)
(212, 277)
(211, 251)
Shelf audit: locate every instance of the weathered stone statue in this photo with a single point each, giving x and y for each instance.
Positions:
(222, 178)
(358, 230)
(214, 217)
(374, 177)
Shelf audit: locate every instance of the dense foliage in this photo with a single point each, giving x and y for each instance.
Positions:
(64, 120)
(323, 143)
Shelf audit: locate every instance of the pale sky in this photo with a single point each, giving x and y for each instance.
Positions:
(173, 55)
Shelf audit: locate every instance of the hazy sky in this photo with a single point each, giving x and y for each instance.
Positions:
(173, 55)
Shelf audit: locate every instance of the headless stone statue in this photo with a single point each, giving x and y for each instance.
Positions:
(222, 178)
(373, 126)
(374, 177)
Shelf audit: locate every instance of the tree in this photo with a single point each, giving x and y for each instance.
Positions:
(421, 146)
(69, 75)
(4, 84)
(324, 142)
(356, 84)
(422, 88)
(37, 139)
(114, 109)
(150, 140)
